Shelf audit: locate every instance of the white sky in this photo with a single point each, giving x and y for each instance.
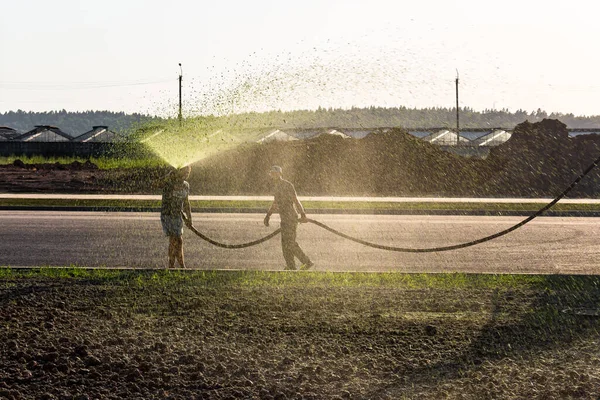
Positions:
(260, 54)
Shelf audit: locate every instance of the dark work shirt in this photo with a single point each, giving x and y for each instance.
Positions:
(173, 197)
(285, 196)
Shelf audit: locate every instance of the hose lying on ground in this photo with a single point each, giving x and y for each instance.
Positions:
(234, 246)
(413, 250)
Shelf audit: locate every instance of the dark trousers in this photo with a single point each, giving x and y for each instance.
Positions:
(289, 245)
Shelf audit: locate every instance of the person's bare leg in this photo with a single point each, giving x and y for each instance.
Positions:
(179, 252)
(172, 251)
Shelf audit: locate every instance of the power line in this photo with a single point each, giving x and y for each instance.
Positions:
(77, 85)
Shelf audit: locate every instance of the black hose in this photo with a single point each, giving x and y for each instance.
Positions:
(234, 246)
(467, 244)
(411, 250)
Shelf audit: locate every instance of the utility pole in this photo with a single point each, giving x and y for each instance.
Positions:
(457, 124)
(180, 79)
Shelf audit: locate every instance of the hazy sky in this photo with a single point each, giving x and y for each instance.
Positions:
(260, 54)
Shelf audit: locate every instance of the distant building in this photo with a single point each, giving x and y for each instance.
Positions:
(495, 138)
(7, 133)
(584, 131)
(445, 137)
(307, 134)
(276, 136)
(98, 133)
(44, 133)
(358, 133)
(304, 133)
(335, 132)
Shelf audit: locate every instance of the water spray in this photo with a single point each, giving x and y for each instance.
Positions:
(413, 250)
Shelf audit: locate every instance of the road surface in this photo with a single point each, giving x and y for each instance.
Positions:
(93, 239)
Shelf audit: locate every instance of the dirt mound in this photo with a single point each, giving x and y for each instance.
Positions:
(540, 160)
(390, 163)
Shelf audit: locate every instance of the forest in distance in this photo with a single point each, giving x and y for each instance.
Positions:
(76, 123)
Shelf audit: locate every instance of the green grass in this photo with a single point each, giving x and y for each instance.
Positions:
(137, 204)
(101, 162)
(141, 204)
(309, 205)
(252, 278)
(489, 206)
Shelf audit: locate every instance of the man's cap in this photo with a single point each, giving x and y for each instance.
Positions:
(277, 168)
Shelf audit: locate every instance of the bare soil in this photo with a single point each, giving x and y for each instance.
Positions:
(78, 178)
(227, 336)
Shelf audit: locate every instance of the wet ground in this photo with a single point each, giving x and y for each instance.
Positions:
(229, 335)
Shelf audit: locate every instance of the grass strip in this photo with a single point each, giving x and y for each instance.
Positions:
(251, 278)
(100, 162)
(309, 205)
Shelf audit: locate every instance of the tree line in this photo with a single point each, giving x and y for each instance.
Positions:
(408, 118)
(76, 123)
(73, 123)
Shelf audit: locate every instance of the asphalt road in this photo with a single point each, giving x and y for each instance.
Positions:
(64, 196)
(545, 245)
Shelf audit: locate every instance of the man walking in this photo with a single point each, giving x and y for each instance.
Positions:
(287, 204)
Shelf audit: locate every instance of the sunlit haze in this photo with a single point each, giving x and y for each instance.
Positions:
(263, 55)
